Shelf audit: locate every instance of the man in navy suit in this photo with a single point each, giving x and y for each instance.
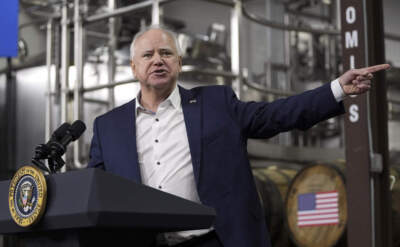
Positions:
(192, 143)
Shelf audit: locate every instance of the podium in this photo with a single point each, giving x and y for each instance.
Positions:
(92, 207)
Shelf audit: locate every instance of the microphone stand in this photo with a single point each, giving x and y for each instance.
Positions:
(52, 155)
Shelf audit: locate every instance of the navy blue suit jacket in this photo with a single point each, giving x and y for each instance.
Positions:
(218, 126)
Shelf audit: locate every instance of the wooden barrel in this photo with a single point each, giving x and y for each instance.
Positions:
(316, 206)
(272, 184)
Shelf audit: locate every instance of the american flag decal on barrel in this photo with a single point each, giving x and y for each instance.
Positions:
(317, 209)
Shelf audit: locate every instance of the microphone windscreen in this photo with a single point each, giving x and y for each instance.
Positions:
(60, 132)
(76, 129)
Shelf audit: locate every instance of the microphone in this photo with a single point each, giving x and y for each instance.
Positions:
(73, 132)
(57, 145)
(43, 150)
(59, 133)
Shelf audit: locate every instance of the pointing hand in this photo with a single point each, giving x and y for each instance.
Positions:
(358, 81)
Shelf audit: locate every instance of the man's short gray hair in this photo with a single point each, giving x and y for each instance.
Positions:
(169, 32)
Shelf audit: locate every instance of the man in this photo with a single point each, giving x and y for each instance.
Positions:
(192, 143)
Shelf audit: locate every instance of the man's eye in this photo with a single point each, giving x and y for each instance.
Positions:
(166, 53)
(147, 55)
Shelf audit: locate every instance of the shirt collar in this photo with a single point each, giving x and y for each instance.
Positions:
(174, 99)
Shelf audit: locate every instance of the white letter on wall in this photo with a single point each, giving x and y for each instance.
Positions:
(352, 63)
(350, 15)
(352, 39)
(353, 109)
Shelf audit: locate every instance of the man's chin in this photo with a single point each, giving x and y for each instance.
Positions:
(161, 84)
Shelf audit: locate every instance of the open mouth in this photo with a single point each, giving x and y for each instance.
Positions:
(159, 72)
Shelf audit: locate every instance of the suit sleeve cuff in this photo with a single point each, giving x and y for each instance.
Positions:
(337, 90)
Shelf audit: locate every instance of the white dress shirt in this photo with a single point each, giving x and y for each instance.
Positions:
(164, 155)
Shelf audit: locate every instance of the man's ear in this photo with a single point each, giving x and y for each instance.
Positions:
(133, 67)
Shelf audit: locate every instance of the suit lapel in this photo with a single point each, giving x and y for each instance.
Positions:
(191, 106)
(129, 140)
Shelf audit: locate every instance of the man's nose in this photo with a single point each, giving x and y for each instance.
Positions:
(157, 59)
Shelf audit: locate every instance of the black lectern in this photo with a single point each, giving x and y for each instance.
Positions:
(95, 208)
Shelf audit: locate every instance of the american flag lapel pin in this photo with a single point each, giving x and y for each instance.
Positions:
(192, 101)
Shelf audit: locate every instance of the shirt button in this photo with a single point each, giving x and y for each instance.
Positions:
(158, 163)
(157, 120)
(156, 140)
(159, 187)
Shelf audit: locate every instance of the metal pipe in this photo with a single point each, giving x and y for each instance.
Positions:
(281, 26)
(32, 23)
(392, 36)
(122, 11)
(108, 85)
(262, 89)
(96, 101)
(49, 49)
(228, 4)
(287, 55)
(308, 15)
(155, 13)
(268, 74)
(57, 64)
(112, 44)
(119, 11)
(64, 60)
(97, 34)
(78, 57)
(288, 137)
(106, 36)
(43, 14)
(192, 68)
(236, 15)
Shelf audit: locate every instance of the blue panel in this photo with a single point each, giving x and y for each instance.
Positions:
(8, 28)
(306, 202)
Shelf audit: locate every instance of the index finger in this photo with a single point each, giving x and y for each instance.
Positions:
(376, 68)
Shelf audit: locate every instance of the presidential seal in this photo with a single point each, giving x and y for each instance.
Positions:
(27, 196)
